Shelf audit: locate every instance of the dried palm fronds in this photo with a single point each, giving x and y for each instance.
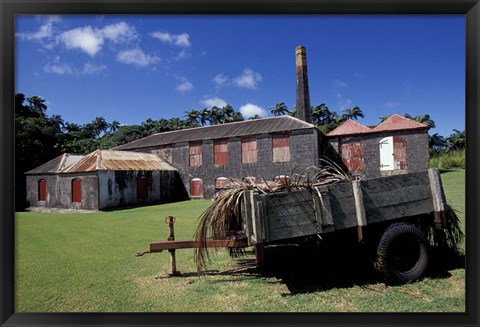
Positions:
(451, 237)
(223, 218)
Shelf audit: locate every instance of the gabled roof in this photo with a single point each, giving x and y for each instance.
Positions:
(393, 123)
(56, 165)
(396, 122)
(243, 128)
(350, 127)
(119, 160)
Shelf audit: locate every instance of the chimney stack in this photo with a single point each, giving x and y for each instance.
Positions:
(303, 94)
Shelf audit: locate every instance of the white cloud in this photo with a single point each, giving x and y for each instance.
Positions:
(59, 69)
(119, 32)
(214, 102)
(249, 79)
(339, 83)
(65, 69)
(182, 55)
(181, 40)
(83, 38)
(391, 104)
(45, 31)
(250, 110)
(91, 40)
(220, 80)
(136, 57)
(184, 87)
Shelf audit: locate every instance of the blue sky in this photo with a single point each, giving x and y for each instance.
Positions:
(133, 67)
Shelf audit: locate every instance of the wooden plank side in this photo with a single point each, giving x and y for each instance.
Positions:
(395, 212)
(290, 214)
(438, 198)
(247, 215)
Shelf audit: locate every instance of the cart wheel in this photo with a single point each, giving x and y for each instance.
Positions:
(402, 254)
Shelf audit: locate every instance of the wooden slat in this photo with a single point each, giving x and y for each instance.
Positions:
(247, 215)
(438, 198)
(249, 150)
(359, 208)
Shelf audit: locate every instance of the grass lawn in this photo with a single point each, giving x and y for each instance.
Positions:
(85, 262)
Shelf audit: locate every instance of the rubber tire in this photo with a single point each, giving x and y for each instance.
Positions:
(402, 254)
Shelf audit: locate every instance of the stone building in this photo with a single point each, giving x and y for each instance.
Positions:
(102, 179)
(396, 146)
(208, 157)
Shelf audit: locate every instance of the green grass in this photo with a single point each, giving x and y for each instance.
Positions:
(85, 262)
(448, 160)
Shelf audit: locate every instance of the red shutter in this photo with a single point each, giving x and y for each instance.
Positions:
(400, 153)
(195, 154)
(196, 188)
(42, 190)
(281, 147)
(142, 188)
(352, 156)
(76, 190)
(220, 152)
(249, 150)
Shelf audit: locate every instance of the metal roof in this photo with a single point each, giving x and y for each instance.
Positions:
(56, 165)
(396, 122)
(119, 160)
(350, 127)
(239, 129)
(393, 123)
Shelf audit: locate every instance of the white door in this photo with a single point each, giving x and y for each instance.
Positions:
(386, 154)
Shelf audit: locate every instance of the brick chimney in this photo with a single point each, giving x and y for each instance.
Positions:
(303, 94)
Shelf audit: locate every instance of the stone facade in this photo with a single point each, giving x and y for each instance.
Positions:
(304, 153)
(417, 156)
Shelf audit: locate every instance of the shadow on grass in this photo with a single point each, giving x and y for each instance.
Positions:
(306, 270)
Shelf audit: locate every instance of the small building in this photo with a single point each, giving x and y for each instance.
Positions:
(398, 145)
(208, 157)
(102, 179)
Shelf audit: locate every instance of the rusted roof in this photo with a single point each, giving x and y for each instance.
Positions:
(119, 160)
(396, 122)
(56, 165)
(350, 127)
(243, 128)
(393, 123)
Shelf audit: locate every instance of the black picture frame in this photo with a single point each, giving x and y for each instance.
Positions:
(10, 8)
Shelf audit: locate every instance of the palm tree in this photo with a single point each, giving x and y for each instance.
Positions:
(97, 126)
(57, 120)
(148, 126)
(254, 117)
(292, 113)
(237, 116)
(457, 140)
(425, 119)
(204, 116)
(192, 116)
(436, 141)
(320, 114)
(383, 118)
(279, 109)
(114, 126)
(353, 113)
(37, 104)
(217, 116)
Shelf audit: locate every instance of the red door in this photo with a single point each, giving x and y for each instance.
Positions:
(76, 190)
(42, 190)
(142, 188)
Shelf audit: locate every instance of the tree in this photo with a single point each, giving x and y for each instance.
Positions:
(321, 115)
(456, 140)
(353, 113)
(37, 105)
(204, 116)
(436, 141)
(114, 126)
(425, 119)
(98, 126)
(148, 127)
(254, 117)
(217, 115)
(192, 116)
(279, 109)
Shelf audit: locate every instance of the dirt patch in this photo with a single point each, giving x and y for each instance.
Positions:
(59, 210)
